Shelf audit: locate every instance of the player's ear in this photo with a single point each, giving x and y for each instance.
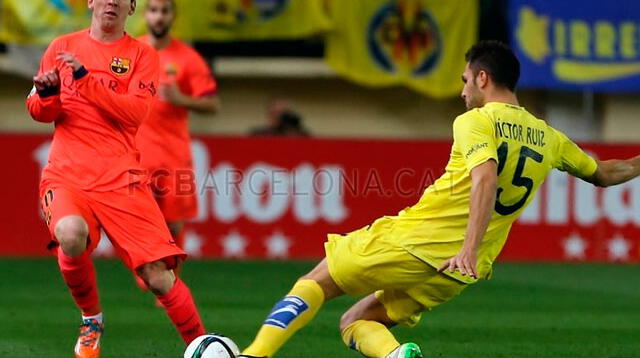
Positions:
(133, 7)
(90, 4)
(482, 78)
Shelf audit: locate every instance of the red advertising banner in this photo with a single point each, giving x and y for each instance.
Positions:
(279, 197)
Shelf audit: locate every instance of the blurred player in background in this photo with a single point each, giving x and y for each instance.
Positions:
(186, 83)
(97, 86)
(429, 253)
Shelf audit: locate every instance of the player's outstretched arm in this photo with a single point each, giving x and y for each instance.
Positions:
(598, 172)
(615, 171)
(484, 186)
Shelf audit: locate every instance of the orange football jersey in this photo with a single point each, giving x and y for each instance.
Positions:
(97, 110)
(163, 139)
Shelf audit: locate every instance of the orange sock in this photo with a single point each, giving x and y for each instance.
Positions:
(182, 311)
(80, 276)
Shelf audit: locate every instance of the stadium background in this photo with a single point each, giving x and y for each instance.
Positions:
(275, 198)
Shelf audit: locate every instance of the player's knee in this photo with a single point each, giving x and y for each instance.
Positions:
(160, 283)
(320, 274)
(72, 232)
(347, 318)
(355, 313)
(368, 309)
(308, 276)
(158, 278)
(320, 280)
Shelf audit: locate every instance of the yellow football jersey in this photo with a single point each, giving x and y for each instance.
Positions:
(526, 150)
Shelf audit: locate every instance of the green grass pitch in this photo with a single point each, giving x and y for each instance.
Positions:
(527, 310)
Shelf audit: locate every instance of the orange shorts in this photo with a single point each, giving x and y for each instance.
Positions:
(175, 192)
(129, 216)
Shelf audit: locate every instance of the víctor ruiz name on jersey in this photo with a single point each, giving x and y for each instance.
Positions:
(517, 132)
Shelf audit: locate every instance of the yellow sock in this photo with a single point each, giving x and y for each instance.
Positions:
(293, 312)
(372, 339)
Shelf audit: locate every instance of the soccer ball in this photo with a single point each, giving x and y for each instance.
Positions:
(212, 346)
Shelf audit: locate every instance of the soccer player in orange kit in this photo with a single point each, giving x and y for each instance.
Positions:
(186, 83)
(97, 86)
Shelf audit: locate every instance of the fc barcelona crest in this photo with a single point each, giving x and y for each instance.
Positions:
(120, 66)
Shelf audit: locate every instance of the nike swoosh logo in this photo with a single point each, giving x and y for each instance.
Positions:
(589, 72)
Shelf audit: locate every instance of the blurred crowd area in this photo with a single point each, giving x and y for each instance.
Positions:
(285, 87)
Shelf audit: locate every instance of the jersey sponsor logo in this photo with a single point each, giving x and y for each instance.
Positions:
(476, 147)
(404, 36)
(151, 87)
(112, 84)
(120, 66)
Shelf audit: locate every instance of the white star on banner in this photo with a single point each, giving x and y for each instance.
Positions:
(234, 245)
(574, 247)
(278, 246)
(104, 248)
(618, 248)
(193, 244)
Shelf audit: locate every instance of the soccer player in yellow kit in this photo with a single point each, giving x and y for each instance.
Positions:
(428, 253)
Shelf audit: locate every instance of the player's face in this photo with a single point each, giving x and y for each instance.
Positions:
(471, 93)
(111, 14)
(159, 16)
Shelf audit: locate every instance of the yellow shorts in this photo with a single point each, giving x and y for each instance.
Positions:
(365, 261)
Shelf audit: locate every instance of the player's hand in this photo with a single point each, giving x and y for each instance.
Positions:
(69, 59)
(170, 92)
(46, 80)
(465, 261)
